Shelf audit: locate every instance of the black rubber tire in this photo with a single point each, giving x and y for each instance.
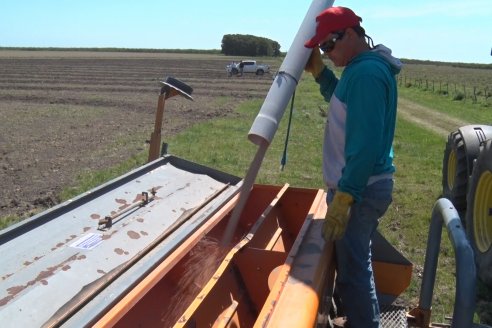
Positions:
(479, 213)
(455, 171)
(260, 72)
(234, 71)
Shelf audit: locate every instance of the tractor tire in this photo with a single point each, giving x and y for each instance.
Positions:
(260, 72)
(455, 171)
(479, 213)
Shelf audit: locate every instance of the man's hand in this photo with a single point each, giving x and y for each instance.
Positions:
(315, 64)
(337, 216)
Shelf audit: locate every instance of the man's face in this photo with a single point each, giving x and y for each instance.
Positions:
(335, 46)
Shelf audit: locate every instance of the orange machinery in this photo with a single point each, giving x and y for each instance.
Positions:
(116, 257)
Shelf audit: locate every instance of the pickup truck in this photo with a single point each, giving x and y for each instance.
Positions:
(249, 66)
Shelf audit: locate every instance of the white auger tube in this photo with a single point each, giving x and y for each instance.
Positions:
(277, 99)
(273, 108)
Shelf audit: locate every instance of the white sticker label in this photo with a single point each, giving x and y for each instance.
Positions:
(89, 241)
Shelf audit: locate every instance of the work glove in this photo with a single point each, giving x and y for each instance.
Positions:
(337, 216)
(315, 64)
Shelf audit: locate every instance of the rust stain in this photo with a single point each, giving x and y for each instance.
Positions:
(72, 237)
(140, 220)
(42, 276)
(143, 233)
(101, 271)
(133, 235)
(81, 257)
(66, 267)
(95, 216)
(122, 207)
(46, 273)
(106, 237)
(44, 282)
(86, 229)
(119, 251)
(120, 201)
(5, 300)
(15, 289)
(6, 276)
(26, 263)
(61, 244)
(138, 198)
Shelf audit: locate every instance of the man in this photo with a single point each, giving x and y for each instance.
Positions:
(357, 151)
(241, 68)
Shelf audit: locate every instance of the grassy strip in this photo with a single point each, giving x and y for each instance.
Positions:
(478, 113)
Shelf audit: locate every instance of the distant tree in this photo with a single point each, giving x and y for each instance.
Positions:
(249, 45)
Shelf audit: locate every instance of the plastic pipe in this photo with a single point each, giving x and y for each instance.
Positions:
(277, 99)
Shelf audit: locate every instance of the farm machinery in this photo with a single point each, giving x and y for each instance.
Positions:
(146, 249)
(467, 183)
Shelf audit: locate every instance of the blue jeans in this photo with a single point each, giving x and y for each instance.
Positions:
(355, 280)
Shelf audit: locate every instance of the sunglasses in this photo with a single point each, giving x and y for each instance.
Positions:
(328, 45)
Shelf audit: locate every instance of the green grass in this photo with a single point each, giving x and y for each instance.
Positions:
(223, 144)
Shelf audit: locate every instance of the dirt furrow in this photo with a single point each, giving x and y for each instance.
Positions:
(428, 118)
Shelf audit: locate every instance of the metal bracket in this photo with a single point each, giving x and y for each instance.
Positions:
(108, 220)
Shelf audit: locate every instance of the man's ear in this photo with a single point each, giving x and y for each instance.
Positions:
(350, 33)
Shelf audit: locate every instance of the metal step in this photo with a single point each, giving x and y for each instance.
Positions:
(393, 316)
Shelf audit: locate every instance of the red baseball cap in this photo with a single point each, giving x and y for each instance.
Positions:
(331, 20)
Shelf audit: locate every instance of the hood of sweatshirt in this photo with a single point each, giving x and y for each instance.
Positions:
(385, 52)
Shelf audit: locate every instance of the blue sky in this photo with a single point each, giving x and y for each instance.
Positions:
(452, 30)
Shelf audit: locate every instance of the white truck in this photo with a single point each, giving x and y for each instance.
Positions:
(247, 66)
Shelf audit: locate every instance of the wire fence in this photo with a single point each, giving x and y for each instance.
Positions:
(457, 91)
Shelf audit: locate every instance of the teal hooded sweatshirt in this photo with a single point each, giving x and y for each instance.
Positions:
(357, 147)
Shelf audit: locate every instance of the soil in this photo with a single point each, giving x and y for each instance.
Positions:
(64, 113)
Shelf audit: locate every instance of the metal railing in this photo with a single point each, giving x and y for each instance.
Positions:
(464, 305)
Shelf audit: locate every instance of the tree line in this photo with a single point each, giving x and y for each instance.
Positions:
(249, 45)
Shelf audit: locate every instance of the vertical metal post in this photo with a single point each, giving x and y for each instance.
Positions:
(155, 137)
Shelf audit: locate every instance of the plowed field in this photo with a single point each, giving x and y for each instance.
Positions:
(63, 113)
